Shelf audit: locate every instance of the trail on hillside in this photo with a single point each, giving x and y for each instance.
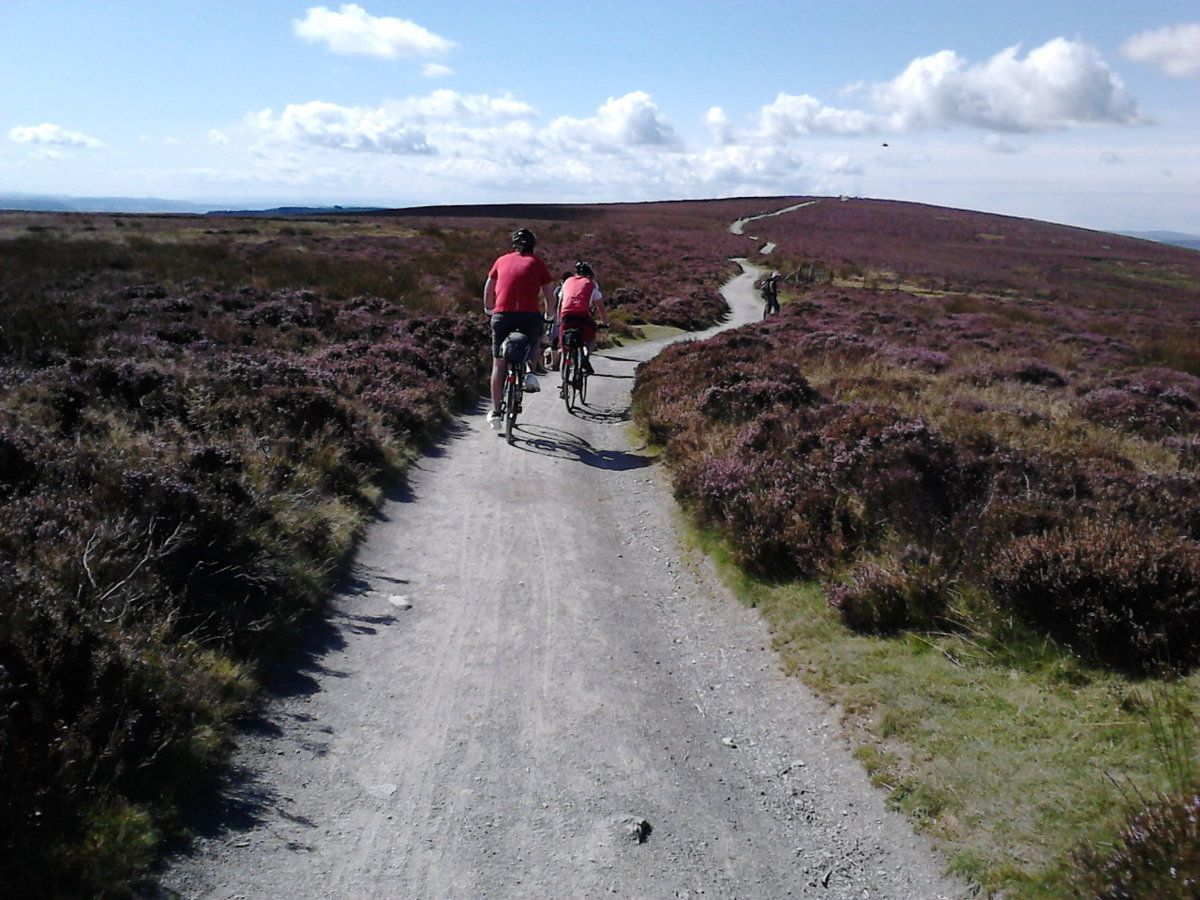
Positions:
(739, 226)
(528, 689)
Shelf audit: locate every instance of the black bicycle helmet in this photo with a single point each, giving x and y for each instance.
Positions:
(582, 269)
(524, 240)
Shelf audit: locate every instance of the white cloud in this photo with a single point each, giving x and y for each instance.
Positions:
(436, 70)
(1059, 84)
(50, 135)
(633, 120)
(1174, 49)
(351, 31)
(718, 124)
(792, 115)
(451, 105)
(217, 138)
(343, 128)
(413, 126)
(1111, 158)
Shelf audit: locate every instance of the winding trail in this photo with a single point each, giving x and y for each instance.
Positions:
(739, 226)
(528, 689)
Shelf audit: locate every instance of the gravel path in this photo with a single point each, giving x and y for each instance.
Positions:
(529, 689)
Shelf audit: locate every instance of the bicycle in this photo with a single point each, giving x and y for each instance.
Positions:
(574, 376)
(515, 350)
(574, 368)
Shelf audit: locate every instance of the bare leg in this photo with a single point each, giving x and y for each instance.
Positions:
(497, 382)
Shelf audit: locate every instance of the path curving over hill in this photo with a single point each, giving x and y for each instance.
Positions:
(529, 690)
(739, 226)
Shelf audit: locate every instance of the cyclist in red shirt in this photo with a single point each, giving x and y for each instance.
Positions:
(579, 306)
(516, 295)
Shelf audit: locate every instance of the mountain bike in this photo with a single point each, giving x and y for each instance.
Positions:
(516, 353)
(573, 389)
(574, 376)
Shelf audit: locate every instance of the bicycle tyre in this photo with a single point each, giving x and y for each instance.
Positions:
(576, 373)
(583, 380)
(565, 389)
(512, 400)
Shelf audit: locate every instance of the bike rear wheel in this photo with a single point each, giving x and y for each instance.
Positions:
(576, 374)
(512, 402)
(568, 370)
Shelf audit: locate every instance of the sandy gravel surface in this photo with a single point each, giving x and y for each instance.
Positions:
(529, 690)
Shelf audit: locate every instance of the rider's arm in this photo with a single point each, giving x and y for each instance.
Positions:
(489, 295)
(599, 311)
(547, 298)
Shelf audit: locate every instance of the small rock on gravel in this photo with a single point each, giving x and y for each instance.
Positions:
(636, 829)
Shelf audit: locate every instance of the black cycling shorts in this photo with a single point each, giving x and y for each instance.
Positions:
(505, 323)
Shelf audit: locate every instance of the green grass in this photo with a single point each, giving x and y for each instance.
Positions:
(1012, 755)
(1151, 276)
(658, 332)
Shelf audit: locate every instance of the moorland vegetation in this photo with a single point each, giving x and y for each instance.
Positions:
(197, 416)
(958, 473)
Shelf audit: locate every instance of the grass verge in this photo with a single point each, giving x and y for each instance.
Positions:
(1014, 758)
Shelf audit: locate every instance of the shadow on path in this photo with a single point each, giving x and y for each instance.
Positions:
(607, 375)
(560, 444)
(601, 416)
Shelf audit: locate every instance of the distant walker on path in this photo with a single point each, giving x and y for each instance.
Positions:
(770, 294)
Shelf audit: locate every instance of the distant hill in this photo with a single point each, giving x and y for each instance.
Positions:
(301, 211)
(1176, 238)
(61, 203)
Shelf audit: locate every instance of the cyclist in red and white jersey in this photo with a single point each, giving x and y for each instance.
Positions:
(516, 295)
(580, 305)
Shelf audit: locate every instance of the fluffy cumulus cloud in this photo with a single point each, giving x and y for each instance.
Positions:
(718, 123)
(48, 135)
(413, 126)
(344, 128)
(1059, 84)
(352, 31)
(436, 70)
(1174, 49)
(446, 104)
(621, 123)
(791, 116)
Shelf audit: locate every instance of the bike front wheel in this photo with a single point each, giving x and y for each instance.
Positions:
(512, 403)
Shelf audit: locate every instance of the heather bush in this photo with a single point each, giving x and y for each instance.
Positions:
(880, 599)
(699, 309)
(1156, 856)
(1147, 408)
(1122, 595)
(741, 394)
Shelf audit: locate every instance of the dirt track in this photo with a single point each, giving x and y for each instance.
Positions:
(565, 673)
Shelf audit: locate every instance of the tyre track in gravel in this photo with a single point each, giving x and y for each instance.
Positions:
(565, 671)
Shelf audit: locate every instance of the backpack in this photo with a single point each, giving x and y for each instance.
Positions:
(768, 289)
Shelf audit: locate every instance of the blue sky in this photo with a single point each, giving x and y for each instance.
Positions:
(1077, 112)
